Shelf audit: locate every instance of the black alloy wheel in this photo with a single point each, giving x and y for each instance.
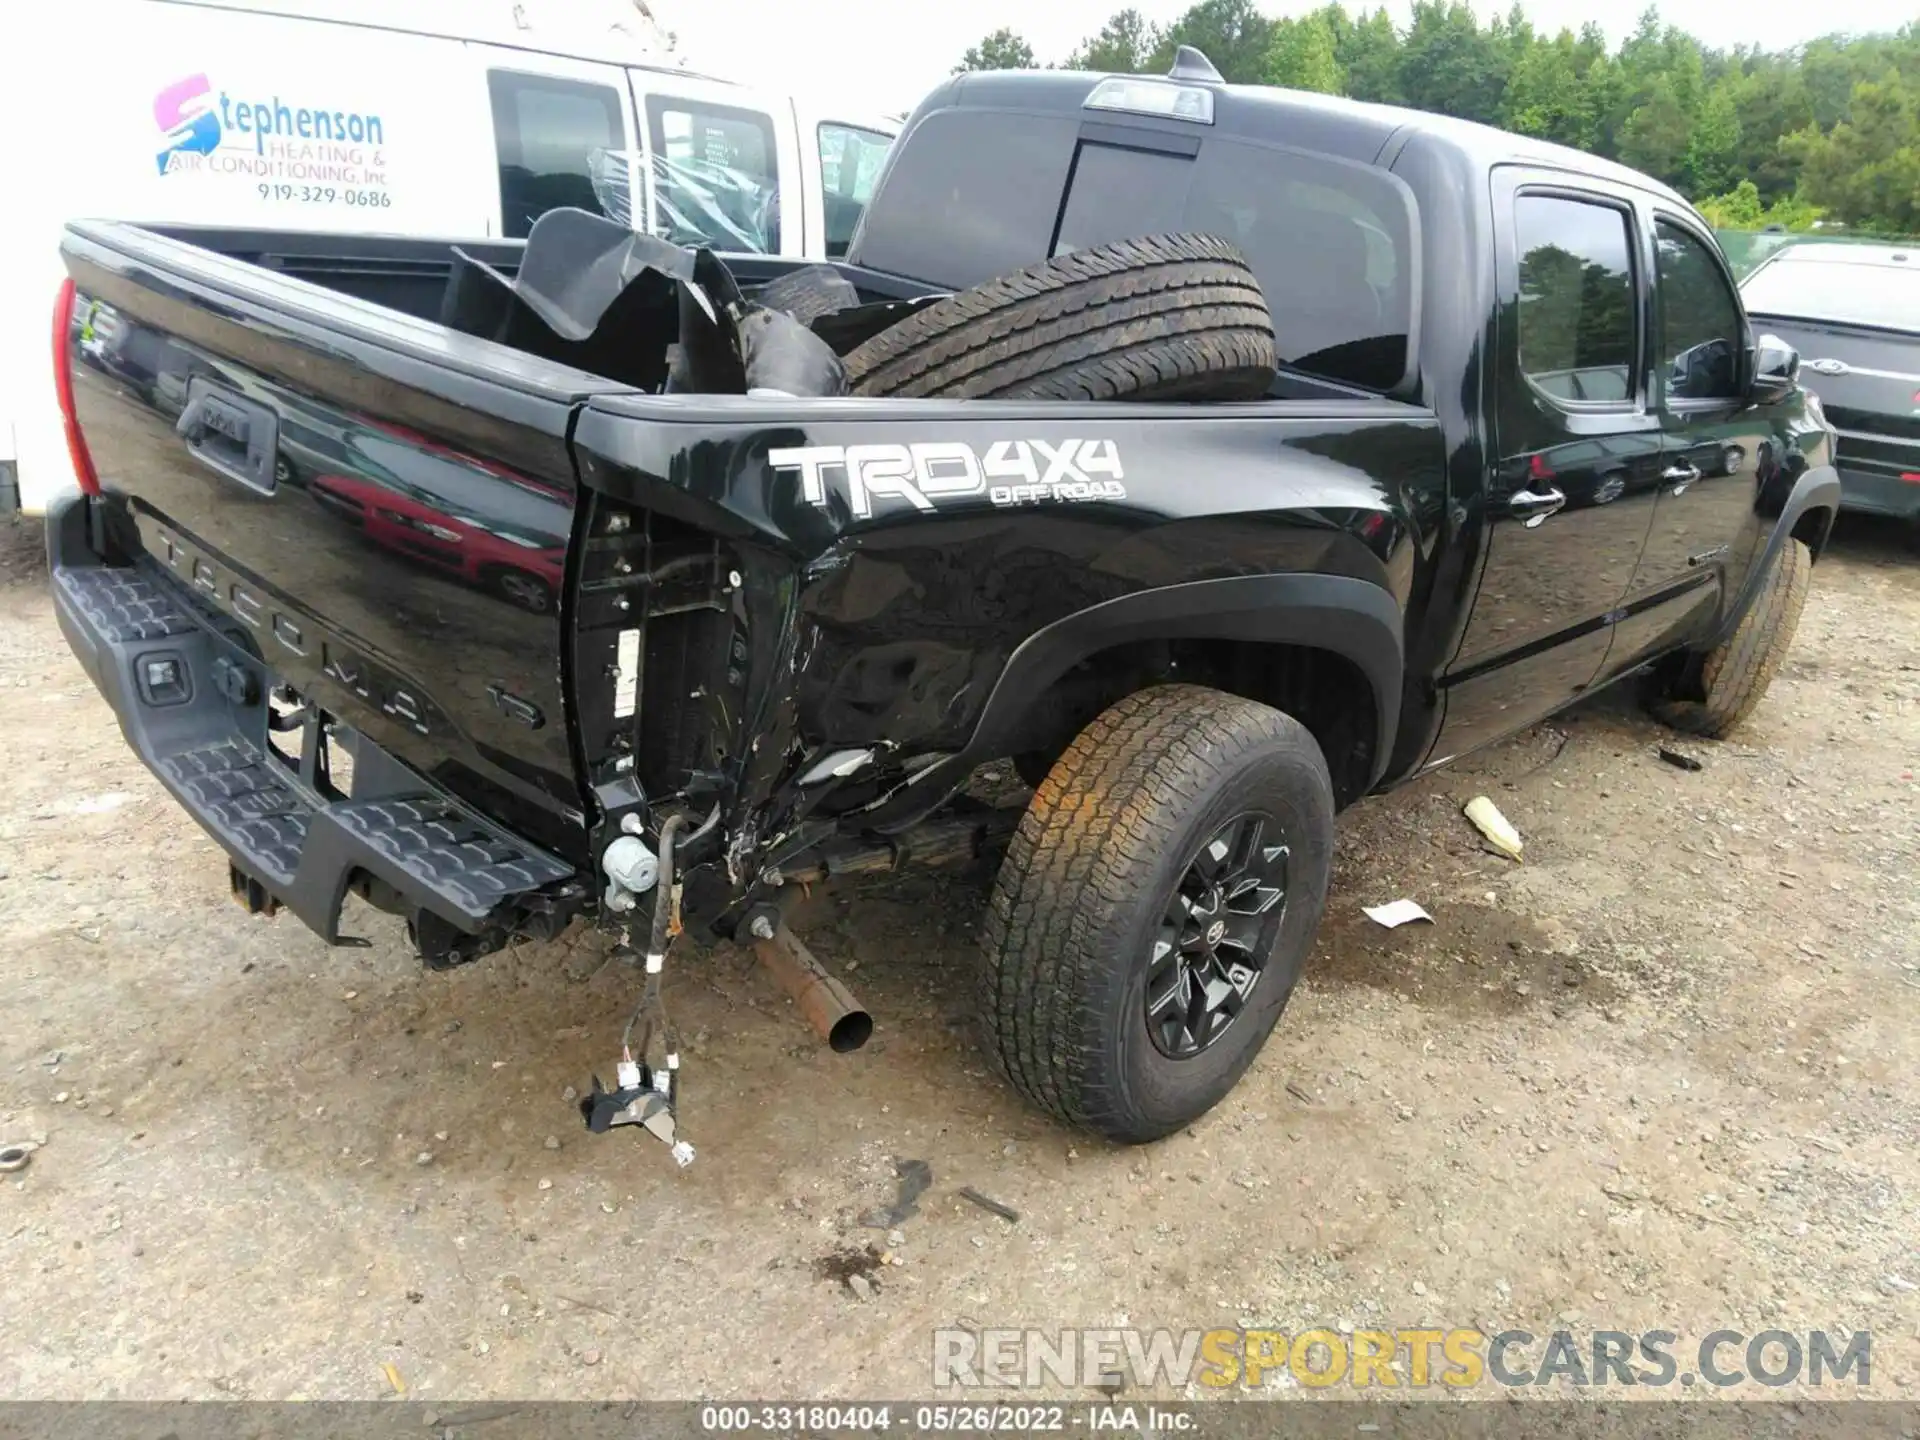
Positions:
(1215, 934)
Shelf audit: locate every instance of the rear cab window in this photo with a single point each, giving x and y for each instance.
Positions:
(850, 158)
(716, 175)
(1329, 240)
(546, 129)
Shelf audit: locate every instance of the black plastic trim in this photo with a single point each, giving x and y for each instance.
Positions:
(1818, 489)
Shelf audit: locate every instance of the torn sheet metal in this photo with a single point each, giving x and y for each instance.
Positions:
(639, 309)
(577, 264)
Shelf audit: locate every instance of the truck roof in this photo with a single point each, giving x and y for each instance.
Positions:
(1349, 129)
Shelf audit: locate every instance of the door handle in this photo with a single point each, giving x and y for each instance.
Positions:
(1680, 476)
(1536, 506)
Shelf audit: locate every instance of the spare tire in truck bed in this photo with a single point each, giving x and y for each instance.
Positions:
(1165, 317)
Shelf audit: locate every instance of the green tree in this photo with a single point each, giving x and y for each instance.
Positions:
(1833, 125)
(1124, 46)
(1233, 34)
(1741, 209)
(1713, 152)
(1367, 50)
(1002, 50)
(1301, 55)
(1866, 170)
(1547, 97)
(1772, 102)
(1450, 65)
(1657, 134)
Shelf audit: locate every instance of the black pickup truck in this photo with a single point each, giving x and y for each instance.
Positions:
(493, 641)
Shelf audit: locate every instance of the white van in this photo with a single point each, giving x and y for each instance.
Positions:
(410, 117)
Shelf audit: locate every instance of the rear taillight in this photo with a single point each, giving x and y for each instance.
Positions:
(63, 388)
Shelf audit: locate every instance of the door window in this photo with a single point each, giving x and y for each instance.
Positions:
(1700, 326)
(545, 130)
(1576, 299)
(849, 164)
(716, 175)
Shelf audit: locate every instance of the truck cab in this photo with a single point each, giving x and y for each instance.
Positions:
(1620, 440)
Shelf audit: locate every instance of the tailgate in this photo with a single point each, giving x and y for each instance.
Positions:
(376, 510)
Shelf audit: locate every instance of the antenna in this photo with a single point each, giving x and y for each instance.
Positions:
(1190, 64)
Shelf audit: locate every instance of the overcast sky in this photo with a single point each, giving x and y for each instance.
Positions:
(889, 52)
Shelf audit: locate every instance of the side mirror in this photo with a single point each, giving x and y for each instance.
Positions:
(1776, 370)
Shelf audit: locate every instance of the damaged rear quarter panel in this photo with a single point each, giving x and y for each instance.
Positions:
(901, 550)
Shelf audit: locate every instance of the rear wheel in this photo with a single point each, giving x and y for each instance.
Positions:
(1154, 908)
(1712, 694)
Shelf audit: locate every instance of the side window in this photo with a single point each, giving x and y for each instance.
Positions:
(716, 175)
(545, 129)
(1700, 330)
(849, 164)
(1576, 298)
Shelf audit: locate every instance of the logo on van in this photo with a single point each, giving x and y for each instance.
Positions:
(265, 138)
(184, 113)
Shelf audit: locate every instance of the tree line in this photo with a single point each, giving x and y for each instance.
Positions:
(1756, 137)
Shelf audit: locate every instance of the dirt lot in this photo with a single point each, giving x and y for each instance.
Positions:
(1660, 1076)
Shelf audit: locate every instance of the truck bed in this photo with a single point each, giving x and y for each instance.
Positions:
(521, 603)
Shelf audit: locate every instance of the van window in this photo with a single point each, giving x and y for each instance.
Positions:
(849, 164)
(1330, 242)
(544, 129)
(716, 175)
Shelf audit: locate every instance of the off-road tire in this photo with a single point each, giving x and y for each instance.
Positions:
(1169, 317)
(1731, 677)
(1078, 901)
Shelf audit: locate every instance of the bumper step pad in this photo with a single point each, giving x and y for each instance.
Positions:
(232, 788)
(123, 605)
(445, 852)
(303, 842)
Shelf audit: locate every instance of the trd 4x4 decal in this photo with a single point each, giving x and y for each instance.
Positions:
(1012, 472)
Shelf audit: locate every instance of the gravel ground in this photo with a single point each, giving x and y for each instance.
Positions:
(1657, 1077)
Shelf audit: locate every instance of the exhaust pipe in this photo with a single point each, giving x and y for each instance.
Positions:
(829, 1007)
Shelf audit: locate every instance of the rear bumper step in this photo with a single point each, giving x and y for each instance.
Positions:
(193, 705)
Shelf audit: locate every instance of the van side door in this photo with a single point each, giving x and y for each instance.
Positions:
(724, 165)
(555, 123)
(1573, 434)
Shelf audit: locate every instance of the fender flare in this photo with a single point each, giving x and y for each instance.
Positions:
(1817, 489)
(1355, 619)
